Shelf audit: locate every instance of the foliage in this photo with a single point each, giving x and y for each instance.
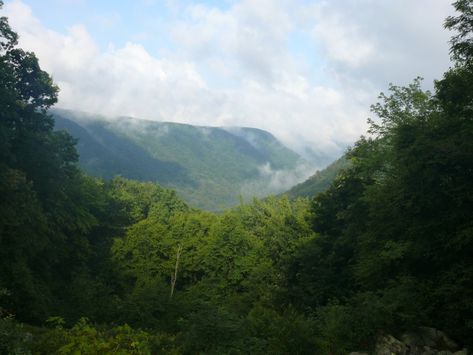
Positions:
(395, 228)
(462, 42)
(320, 181)
(14, 339)
(386, 248)
(209, 167)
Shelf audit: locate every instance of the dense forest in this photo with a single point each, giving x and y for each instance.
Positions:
(320, 181)
(210, 168)
(89, 266)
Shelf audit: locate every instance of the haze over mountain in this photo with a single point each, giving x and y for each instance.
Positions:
(307, 71)
(210, 167)
(376, 260)
(320, 181)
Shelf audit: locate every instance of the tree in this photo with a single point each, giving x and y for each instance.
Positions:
(462, 42)
(396, 227)
(45, 206)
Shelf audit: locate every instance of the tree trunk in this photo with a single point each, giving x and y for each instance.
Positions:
(174, 276)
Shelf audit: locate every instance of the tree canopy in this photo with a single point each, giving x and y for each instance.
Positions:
(93, 266)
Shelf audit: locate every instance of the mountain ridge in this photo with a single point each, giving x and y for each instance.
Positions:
(210, 167)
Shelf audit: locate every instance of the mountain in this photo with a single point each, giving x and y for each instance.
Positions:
(210, 167)
(320, 181)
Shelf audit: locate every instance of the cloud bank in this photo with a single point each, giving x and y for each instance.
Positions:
(306, 71)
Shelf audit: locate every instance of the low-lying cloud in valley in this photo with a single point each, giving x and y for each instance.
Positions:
(306, 71)
(274, 181)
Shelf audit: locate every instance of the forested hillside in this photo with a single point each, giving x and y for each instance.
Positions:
(209, 167)
(118, 266)
(320, 181)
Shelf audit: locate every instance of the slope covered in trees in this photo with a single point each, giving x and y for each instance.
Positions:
(320, 181)
(209, 167)
(119, 266)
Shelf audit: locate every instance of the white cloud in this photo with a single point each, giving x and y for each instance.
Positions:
(233, 67)
(384, 41)
(273, 181)
(344, 42)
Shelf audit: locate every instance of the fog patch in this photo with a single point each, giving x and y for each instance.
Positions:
(206, 131)
(247, 134)
(275, 181)
(161, 130)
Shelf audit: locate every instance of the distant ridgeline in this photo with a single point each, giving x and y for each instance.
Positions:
(209, 167)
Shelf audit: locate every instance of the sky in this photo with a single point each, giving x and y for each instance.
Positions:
(307, 71)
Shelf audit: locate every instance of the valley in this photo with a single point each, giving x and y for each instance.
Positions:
(209, 167)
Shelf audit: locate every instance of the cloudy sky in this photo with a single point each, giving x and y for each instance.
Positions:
(305, 70)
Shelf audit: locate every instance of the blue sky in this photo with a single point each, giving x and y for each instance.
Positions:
(305, 70)
(110, 21)
(149, 22)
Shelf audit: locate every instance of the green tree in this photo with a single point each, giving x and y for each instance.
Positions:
(47, 205)
(462, 41)
(396, 227)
